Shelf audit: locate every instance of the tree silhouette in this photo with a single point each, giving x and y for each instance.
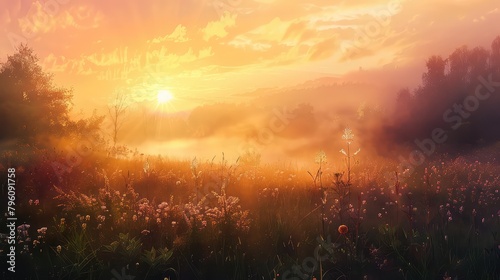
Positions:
(495, 55)
(33, 110)
(30, 104)
(447, 84)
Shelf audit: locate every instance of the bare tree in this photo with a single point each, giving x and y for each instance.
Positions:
(116, 112)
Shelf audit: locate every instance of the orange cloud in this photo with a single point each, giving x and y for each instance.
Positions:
(44, 18)
(324, 49)
(179, 35)
(200, 49)
(218, 28)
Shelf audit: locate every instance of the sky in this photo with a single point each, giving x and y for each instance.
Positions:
(213, 50)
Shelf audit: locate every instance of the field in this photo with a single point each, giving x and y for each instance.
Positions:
(144, 217)
(250, 139)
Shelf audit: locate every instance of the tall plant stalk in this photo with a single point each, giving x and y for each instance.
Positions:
(347, 136)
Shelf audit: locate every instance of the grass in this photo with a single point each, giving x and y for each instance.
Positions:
(218, 220)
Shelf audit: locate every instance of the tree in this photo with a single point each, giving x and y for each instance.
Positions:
(435, 71)
(116, 113)
(495, 55)
(31, 106)
(447, 84)
(459, 62)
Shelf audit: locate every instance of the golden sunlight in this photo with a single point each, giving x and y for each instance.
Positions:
(180, 130)
(164, 96)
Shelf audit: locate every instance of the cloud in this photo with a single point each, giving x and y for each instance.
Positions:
(244, 43)
(45, 18)
(185, 41)
(494, 11)
(295, 29)
(177, 36)
(218, 28)
(324, 49)
(272, 31)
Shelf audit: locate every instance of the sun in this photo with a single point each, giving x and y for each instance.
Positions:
(164, 96)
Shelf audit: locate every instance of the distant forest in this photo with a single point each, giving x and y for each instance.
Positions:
(459, 94)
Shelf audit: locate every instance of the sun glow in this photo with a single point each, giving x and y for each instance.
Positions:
(164, 96)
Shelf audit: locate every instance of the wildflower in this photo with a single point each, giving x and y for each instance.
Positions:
(42, 230)
(84, 226)
(23, 229)
(320, 157)
(58, 249)
(348, 135)
(194, 164)
(343, 229)
(163, 204)
(87, 218)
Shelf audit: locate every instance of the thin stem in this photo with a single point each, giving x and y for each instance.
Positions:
(348, 163)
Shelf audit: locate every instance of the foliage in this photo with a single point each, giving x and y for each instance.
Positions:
(445, 99)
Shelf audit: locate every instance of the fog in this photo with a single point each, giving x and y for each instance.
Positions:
(294, 123)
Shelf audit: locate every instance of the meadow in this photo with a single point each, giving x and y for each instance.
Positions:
(151, 217)
(79, 204)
